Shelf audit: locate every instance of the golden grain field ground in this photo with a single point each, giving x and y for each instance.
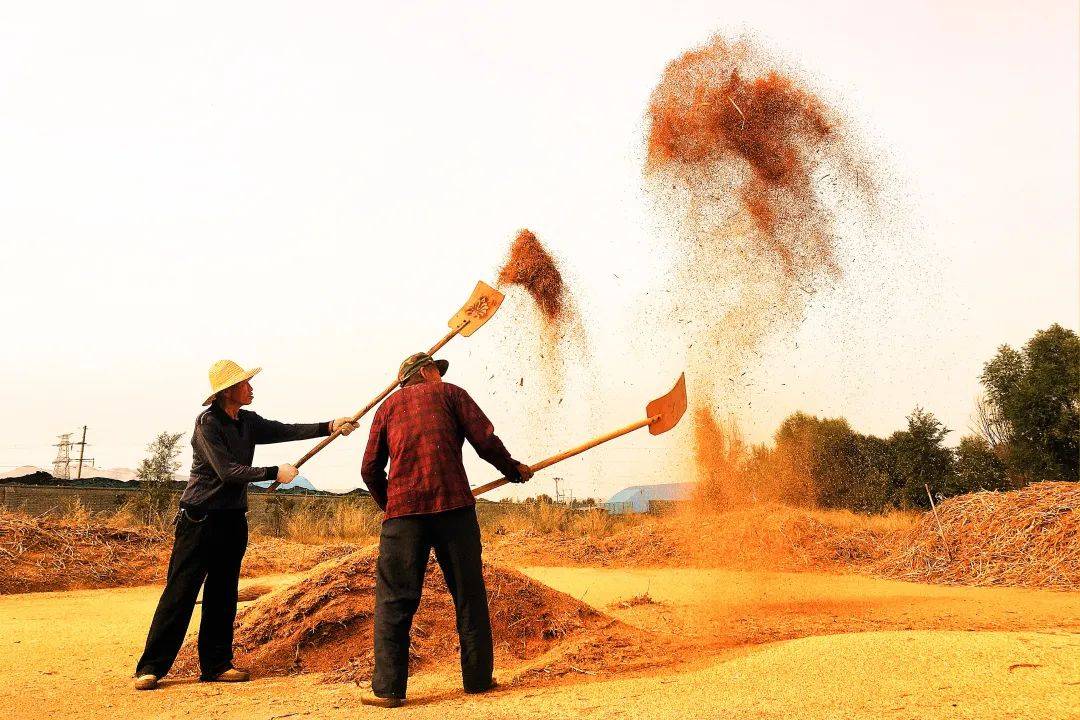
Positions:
(773, 645)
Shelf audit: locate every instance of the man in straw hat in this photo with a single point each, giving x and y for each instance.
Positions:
(420, 430)
(211, 525)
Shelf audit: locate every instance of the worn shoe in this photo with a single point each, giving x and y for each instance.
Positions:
(494, 684)
(375, 700)
(146, 682)
(232, 675)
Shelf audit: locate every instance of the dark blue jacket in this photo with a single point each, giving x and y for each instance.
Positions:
(223, 449)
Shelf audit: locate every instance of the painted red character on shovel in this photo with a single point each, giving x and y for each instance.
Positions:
(211, 525)
(420, 431)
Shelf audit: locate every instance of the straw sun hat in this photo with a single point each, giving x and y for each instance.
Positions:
(224, 374)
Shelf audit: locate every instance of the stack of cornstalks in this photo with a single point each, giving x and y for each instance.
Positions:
(1028, 537)
(85, 553)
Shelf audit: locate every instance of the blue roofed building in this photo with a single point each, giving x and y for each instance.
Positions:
(642, 498)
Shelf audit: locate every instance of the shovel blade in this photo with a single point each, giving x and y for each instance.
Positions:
(477, 310)
(669, 409)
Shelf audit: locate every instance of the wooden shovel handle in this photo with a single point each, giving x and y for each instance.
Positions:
(333, 436)
(577, 450)
(367, 408)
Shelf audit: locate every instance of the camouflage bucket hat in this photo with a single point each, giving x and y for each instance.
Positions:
(414, 362)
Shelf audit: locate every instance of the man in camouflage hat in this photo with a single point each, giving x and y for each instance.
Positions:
(428, 504)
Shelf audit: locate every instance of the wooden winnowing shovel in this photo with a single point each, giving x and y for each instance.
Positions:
(663, 413)
(476, 311)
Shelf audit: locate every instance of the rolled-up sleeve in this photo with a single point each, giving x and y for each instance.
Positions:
(210, 442)
(376, 455)
(481, 435)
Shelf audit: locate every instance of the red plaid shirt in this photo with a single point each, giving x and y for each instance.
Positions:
(420, 429)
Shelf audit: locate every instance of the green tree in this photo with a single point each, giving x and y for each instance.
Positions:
(797, 460)
(835, 459)
(977, 467)
(872, 488)
(1036, 394)
(919, 460)
(155, 474)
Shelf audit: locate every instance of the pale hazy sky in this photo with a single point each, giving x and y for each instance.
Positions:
(315, 188)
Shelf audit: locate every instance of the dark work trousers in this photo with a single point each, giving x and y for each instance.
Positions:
(207, 548)
(404, 546)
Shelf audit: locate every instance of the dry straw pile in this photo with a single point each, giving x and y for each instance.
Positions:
(1028, 537)
(40, 553)
(74, 550)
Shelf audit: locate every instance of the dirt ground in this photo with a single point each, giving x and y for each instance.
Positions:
(772, 645)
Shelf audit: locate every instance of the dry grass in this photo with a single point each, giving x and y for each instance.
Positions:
(1028, 537)
(636, 601)
(593, 523)
(766, 536)
(311, 521)
(831, 538)
(299, 519)
(253, 592)
(536, 519)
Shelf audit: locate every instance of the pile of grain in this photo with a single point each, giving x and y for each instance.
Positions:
(324, 624)
(1028, 537)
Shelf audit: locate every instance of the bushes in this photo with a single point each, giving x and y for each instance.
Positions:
(822, 462)
(977, 468)
(155, 476)
(824, 458)
(543, 516)
(1028, 427)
